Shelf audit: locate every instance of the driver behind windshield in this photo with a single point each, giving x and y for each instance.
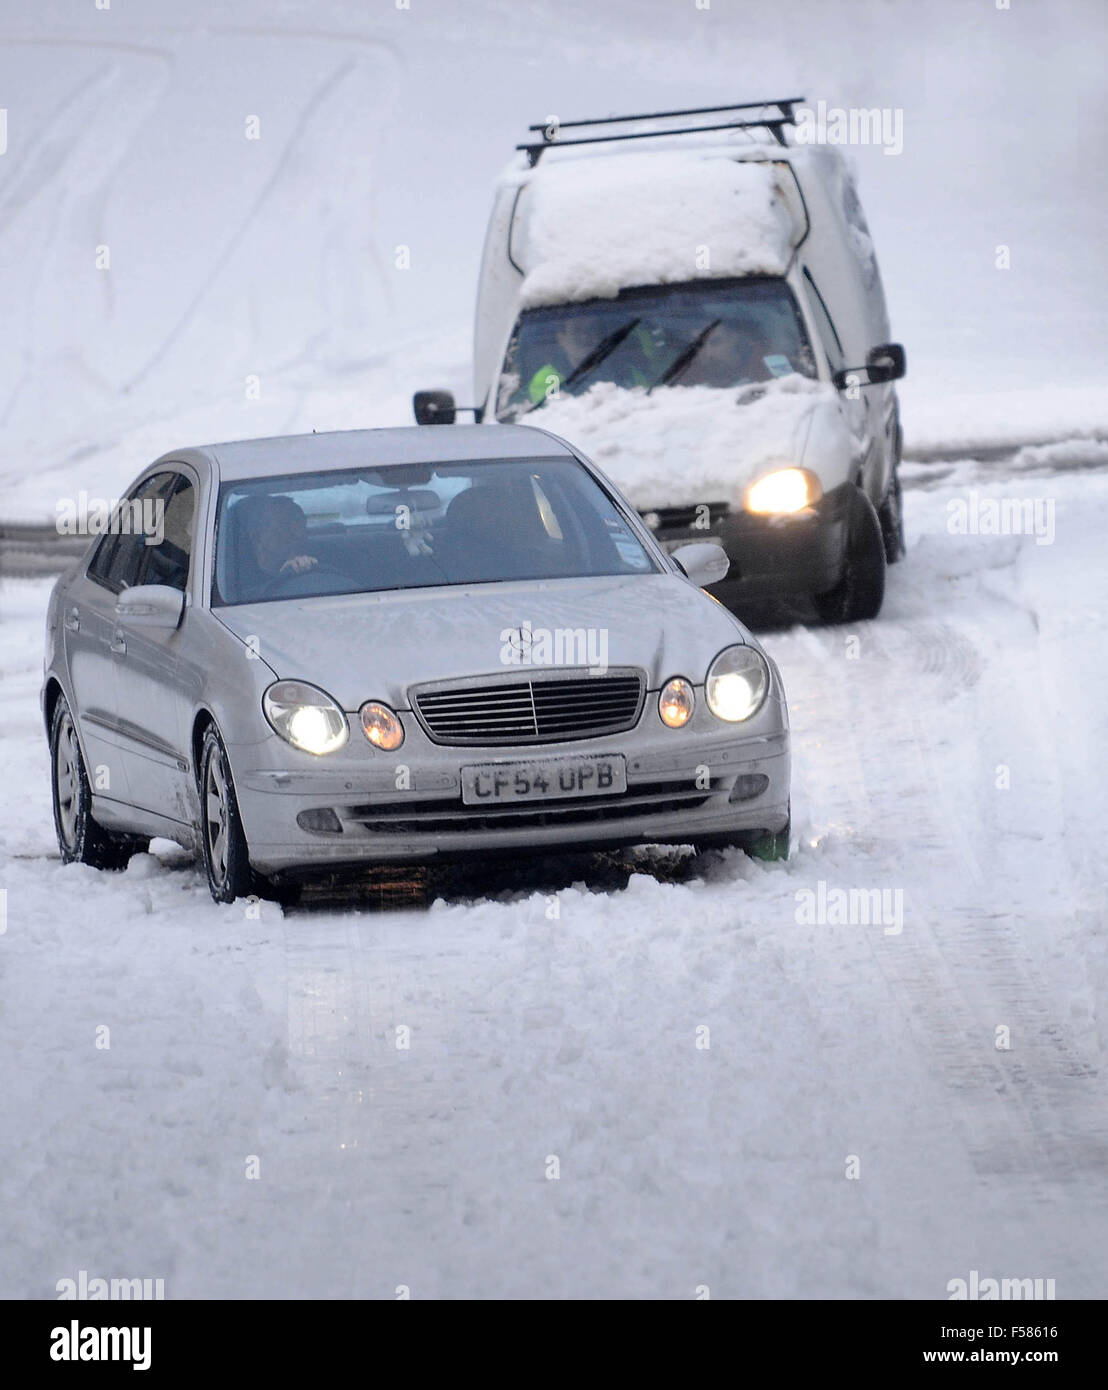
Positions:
(278, 531)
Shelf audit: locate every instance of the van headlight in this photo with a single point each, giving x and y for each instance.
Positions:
(305, 717)
(736, 684)
(783, 491)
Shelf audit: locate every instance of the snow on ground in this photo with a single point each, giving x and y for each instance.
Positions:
(939, 422)
(258, 286)
(943, 753)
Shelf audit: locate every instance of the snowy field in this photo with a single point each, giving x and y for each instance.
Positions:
(740, 1090)
(575, 1035)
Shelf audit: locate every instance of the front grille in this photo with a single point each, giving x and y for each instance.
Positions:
(450, 816)
(550, 708)
(689, 518)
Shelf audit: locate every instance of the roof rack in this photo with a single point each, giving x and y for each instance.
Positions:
(775, 124)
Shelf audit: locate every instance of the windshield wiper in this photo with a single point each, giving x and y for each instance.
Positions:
(682, 360)
(593, 359)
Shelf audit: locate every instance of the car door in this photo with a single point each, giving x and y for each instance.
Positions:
(89, 623)
(852, 399)
(147, 667)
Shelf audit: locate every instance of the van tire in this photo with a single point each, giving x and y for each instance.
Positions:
(861, 590)
(891, 516)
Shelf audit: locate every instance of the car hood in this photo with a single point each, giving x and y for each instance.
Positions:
(375, 646)
(681, 445)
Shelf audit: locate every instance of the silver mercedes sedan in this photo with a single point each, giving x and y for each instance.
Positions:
(300, 656)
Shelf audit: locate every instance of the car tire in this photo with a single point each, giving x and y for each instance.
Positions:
(81, 839)
(891, 516)
(768, 846)
(222, 840)
(771, 847)
(861, 590)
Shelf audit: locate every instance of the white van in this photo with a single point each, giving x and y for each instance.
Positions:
(699, 311)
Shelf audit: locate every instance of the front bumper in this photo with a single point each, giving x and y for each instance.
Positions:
(407, 806)
(771, 556)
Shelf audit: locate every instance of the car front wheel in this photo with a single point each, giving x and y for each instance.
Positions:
(226, 858)
(81, 839)
(861, 589)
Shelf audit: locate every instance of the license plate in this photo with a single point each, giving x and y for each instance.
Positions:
(545, 779)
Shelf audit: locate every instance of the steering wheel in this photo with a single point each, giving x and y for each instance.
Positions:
(284, 578)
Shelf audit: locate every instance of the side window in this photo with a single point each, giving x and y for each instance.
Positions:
(167, 561)
(824, 326)
(121, 556)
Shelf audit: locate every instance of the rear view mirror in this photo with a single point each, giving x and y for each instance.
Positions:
(151, 605)
(703, 562)
(434, 407)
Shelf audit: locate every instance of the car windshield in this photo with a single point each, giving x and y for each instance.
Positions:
(707, 333)
(409, 526)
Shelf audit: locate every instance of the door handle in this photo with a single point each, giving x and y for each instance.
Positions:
(73, 619)
(118, 643)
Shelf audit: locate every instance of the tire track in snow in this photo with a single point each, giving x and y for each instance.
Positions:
(962, 965)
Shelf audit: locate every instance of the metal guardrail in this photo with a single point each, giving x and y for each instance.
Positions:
(29, 550)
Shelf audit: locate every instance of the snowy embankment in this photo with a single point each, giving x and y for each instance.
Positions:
(944, 755)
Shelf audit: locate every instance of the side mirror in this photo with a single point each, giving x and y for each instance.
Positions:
(151, 605)
(703, 562)
(434, 408)
(885, 363)
(888, 360)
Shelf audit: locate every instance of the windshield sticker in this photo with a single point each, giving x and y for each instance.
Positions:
(778, 364)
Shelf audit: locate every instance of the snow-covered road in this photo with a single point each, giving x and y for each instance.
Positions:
(617, 1090)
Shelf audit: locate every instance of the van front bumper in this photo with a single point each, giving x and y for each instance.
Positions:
(799, 554)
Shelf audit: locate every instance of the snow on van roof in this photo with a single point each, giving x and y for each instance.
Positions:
(688, 444)
(592, 227)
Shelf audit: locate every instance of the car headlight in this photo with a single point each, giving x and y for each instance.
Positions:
(305, 717)
(383, 728)
(736, 684)
(675, 703)
(786, 490)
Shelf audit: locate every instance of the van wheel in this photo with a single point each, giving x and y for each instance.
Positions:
(223, 843)
(81, 839)
(859, 593)
(891, 516)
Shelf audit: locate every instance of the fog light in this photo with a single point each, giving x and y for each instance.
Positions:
(748, 785)
(323, 819)
(675, 703)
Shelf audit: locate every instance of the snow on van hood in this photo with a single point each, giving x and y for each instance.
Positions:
(687, 444)
(590, 228)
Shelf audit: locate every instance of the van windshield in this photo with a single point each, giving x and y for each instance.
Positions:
(706, 333)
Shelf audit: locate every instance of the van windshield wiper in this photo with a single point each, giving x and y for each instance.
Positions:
(682, 360)
(603, 350)
(593, 359)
